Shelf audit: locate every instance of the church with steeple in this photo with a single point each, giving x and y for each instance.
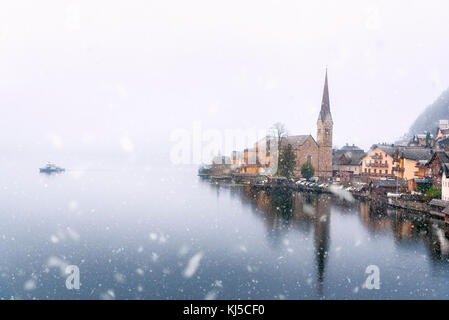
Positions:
(318, 152)
(325, 127)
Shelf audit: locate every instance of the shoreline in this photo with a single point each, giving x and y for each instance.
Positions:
(413, 206)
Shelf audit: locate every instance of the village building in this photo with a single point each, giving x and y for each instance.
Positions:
(435, 166)
(423, 180)
(423, 170)
(422, 140)
(406, 163)
(442, 136)
(443, 130)
(379, 161)
(411, 159)
(445, 183)
(419, 184)
(385, 186)
(221, 165)
(257, 160)
(347, 161)
(438, 208)
(443, 144)
(237, 158)
(251, 163)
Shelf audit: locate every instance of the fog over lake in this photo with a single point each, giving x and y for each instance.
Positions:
(163, 233)
(112, 91)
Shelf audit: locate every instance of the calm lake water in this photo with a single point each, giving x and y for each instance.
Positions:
(163, 233)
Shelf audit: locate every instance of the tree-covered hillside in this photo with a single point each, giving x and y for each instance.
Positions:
(429, 118)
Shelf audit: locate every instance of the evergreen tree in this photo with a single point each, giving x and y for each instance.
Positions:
(307, 170)
(287, 161)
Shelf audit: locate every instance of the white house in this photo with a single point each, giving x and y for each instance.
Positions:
(445, 183)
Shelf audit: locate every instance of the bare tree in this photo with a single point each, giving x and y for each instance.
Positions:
(279, 131)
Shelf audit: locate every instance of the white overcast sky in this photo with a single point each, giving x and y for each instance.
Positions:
(124, 74)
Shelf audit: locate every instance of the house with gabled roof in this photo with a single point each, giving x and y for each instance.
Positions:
(399, 161)
(436, 165)
(347, 160)
(410, 160)
(379, 162)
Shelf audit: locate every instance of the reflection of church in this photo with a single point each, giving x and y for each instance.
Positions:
(322, 226)
(282, 210)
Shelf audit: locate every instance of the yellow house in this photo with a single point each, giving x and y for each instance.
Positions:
(256, 159)
(388, 160)
(410, 161)
(379, 161)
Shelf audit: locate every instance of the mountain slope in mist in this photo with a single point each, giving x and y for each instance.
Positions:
(429, 118)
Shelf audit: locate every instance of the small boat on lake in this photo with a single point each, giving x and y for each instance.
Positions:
(51, 168)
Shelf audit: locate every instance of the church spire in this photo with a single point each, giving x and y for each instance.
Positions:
(325, 113)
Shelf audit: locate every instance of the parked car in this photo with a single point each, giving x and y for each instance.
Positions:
(279, 181)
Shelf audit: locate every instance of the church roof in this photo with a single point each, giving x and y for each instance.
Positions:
(296, 141)
(325, 113)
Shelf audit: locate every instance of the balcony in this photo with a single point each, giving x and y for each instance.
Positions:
(377, 157)
(377, 165)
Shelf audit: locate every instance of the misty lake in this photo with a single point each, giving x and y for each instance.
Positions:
(163, 233)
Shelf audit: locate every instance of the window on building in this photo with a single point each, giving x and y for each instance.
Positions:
(309, 158)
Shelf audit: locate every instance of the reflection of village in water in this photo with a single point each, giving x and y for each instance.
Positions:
(283, 211)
